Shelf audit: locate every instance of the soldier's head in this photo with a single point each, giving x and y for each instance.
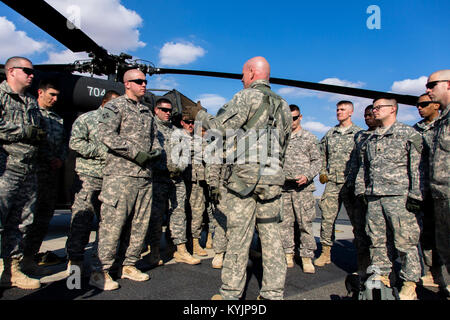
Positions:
(188, 124)
(19, 73)
(427, 108)
(109, 95)
(296, 117)
(438, 87)
(48, 93)
(256, 68)
(163, 109)
(369, 117)
(385, 109)
(135, 84)
(344, 111)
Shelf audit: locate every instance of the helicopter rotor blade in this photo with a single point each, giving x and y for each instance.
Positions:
(356, 92)
(56, 25)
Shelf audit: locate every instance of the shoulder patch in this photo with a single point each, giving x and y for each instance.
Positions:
(108, 113)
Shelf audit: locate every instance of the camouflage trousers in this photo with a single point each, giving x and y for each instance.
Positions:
(168, 200)
(125, 214)
(361, 240)
(47, 194)
(300, 206)
(85, 206)
(243, 214)
(428, 235)
(220, 223)
(389, 212)
(442, 217)
(18, 194)
(199, 201)
(333, 197)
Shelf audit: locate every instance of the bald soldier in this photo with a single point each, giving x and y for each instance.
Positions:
(127, 128)
(438, 88)
(254, 185)
(21, 134)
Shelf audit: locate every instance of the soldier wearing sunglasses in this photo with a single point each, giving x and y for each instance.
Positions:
(438, 88)
(20, 136)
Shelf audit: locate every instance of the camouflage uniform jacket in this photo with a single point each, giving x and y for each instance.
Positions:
(16, 113)
(440, 163)
(391, 163)
(237, 113)
(55, 146)
(356, 157)
(336, 148)
(427, 132)
(91, 153)
(303, 158)
(127, 127)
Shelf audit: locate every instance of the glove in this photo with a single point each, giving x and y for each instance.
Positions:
(214, 195)
(143, 157)
(190, 111)
(323, 178)
(362, 198)
(413, 205)
(34, 133)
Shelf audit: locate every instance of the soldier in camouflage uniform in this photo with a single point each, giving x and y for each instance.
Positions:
(336, 148)
(389, 175)
(433, 277)
(128, 129)
(169, 190)
(302, 164)
(254, 186)
(21, 132)
(438, 88)
(51, 157)
(361, 240)
(90, 161)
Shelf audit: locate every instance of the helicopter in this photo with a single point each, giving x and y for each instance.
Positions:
(80, 93)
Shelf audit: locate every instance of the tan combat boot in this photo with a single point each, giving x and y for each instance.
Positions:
(408, 291)
(290, 260)
(209, 241)
(217, 297)
(133, 273)
(103, 281)
(197, 249)
(217, 262)
(13, 277)
(433, 278)
(308, 266)
(182, 255)
(325, 257)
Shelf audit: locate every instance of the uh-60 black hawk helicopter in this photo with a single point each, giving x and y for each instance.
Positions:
(83, 93)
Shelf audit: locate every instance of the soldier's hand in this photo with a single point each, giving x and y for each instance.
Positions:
(190, 112)
(143, 157)
(34, 133)
(214, 194)
(413, 205)
(301, 180)
(323, 178)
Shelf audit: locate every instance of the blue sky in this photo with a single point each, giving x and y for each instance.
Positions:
(317, 41)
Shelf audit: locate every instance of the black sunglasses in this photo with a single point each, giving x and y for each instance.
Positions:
(139, 81)
(165, 109)
(432, 84)
(295, 118)
(423, 104)
(27, 71)
(189, 121)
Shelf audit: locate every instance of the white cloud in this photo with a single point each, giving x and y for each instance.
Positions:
(107, 22)
(162, 82)
(65, 56)
(413, 87)
(212, 102)
(315, 126)
(17, 43)
(344, 83)
(175, 54)
(296, 92)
